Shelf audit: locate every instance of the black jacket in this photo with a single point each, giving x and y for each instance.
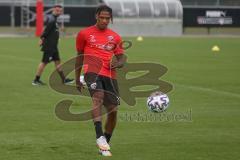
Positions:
(50, 35)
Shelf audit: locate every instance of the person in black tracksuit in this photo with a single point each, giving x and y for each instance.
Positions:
(49, 39)
(49, 43)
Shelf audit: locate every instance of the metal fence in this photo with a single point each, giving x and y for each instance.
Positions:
(52, 2)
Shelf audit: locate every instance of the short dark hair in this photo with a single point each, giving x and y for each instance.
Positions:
(104, 8)
(57, 6)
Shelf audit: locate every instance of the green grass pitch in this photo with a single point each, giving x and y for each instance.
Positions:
(205, 82)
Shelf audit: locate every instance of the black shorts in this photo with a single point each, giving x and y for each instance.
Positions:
(101, 83)
(48, 57)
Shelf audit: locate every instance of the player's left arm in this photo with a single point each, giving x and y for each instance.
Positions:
(119, 61)
(119, 58)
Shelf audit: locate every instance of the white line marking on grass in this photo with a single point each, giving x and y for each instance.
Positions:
(225, 93)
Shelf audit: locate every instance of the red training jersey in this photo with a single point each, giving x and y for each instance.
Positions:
(99, 46)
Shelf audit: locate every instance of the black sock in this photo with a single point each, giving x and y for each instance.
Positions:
(98, 129)
(108, 136)
(62, 75)
(37, 78)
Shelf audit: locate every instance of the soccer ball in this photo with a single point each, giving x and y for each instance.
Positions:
(158, 102)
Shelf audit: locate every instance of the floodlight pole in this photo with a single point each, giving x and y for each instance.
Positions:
(12, 14)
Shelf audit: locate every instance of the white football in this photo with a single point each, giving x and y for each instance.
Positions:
(158, 102)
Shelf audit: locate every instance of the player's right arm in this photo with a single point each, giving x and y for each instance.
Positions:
(50, 24)
(80, 45)
(78, 68)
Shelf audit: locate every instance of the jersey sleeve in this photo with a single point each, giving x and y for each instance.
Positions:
(80, 42)
(119, 49)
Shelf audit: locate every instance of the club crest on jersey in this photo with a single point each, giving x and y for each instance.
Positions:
(110, 38)
(92, 38)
